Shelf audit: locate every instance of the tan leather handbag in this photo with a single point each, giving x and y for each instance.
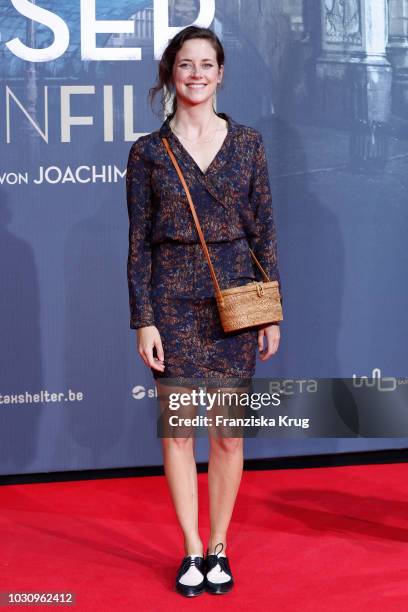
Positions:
(253, 304)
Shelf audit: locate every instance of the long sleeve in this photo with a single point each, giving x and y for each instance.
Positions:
(139, 263)
(264, 244)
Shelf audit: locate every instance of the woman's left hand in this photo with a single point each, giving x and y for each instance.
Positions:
(272, 334)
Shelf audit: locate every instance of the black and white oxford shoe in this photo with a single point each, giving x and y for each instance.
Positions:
(190, 576)
(218, 575)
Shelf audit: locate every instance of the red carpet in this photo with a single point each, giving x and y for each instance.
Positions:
(329, 539)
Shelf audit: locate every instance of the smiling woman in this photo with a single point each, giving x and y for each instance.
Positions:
(173, 308)
(198, 76)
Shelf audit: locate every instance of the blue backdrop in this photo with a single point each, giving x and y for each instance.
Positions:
(331, 102)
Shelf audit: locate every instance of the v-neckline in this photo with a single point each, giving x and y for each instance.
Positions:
(217, 155)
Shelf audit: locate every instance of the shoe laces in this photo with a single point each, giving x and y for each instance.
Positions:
(189, 562)
(215, 554)
(221, 561)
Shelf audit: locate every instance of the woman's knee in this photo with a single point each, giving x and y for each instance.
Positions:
(226, 445)
(178, 444)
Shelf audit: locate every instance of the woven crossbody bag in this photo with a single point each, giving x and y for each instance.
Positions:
(250, 305)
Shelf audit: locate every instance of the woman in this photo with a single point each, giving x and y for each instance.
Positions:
(172, 302)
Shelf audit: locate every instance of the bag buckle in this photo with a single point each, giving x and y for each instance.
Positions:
(259, 289)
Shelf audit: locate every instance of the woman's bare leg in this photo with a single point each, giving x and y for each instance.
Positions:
(181, 470)
(224, 472)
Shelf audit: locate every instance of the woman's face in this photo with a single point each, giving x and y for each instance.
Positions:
(196, 73)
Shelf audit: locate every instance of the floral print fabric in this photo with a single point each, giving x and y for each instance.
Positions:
(233, 203)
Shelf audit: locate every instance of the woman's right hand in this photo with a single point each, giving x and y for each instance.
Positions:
(147, 338)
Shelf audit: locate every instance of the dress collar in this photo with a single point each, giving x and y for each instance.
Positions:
(165, 129)
(212, 180)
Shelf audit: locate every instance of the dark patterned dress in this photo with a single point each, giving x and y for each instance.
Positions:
(170, 284)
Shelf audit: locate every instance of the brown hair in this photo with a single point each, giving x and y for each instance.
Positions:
(165, 71)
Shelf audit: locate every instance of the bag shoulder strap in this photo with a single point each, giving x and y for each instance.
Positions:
(200, 233)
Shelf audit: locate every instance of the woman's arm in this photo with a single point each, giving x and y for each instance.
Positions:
(264, 244)
(139, 263)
